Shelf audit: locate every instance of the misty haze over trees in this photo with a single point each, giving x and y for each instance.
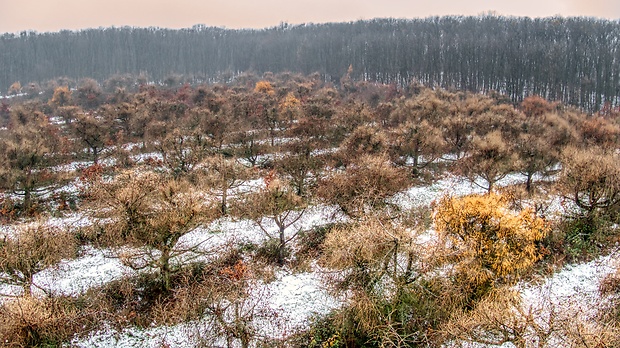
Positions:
(573, 60)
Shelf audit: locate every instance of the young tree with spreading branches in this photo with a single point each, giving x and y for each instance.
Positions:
(277, 203)
(490, 159)
(590, 178)
(223, 175)
(29, 149)
(152, 213)
(363, 186)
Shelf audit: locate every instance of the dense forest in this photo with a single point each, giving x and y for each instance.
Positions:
(573, 60)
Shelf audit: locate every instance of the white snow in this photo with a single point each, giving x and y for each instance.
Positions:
(418, 196)
(453, 185)
(69, 221)
(74, 277)
(293, 297)
(227, 231)
(574, 289)
(139, 158)
(298, 297)
(287, 304)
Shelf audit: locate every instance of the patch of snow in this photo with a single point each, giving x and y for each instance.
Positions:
(575, 289)
(289, 301)
(184, 335)
(247, 187)
(56, 120)
(71, 167)
(8, 291)
(419, 196)
(13, 95)
(463, 344)
(131, 146)
(142, 157)
(260, 159)
(74, 277)
(295, 298)
(70, 221)
(226, 231)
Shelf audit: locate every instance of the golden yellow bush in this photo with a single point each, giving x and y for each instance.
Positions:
(486, 240)
(61, 97)
(289, 103)
(264, 87)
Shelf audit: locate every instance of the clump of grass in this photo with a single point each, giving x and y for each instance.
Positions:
(32, 322)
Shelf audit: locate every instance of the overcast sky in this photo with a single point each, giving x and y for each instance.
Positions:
(54, 15)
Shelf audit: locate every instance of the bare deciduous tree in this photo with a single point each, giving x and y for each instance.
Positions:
(591, 179)
(278, 204)
(363, 186)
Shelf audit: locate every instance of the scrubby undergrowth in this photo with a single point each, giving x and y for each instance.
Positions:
(285, 212)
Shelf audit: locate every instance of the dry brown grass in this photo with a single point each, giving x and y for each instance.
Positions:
(31, 322)
(32, 249)
(501, 318)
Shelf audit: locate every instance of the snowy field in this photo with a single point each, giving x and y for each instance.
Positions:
(294, 297)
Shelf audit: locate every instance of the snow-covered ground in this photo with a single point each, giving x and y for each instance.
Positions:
(565, 299)
(70, 221)
(449, 185)
(74, 277)
(574, 289)
(286, 304)
(141, 157)
(294, 297)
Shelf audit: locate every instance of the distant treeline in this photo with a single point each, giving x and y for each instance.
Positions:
(574, 60)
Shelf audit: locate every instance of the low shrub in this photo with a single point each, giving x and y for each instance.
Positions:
(269, 252)
(310, 244)
(31, 250)
(48, 322)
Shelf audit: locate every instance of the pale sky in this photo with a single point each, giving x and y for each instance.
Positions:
(54, 15)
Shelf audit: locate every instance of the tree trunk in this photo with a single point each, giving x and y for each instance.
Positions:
(27, 199)
(95, 156)
(416, 160)
(164, 269)
(528, 183)
(27, 286)
(223, 206)
(281, 246)
(28, 186)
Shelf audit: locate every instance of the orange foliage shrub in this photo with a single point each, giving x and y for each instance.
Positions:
(487, 242)
(264, 87)
(535, 106)
(61, 97)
